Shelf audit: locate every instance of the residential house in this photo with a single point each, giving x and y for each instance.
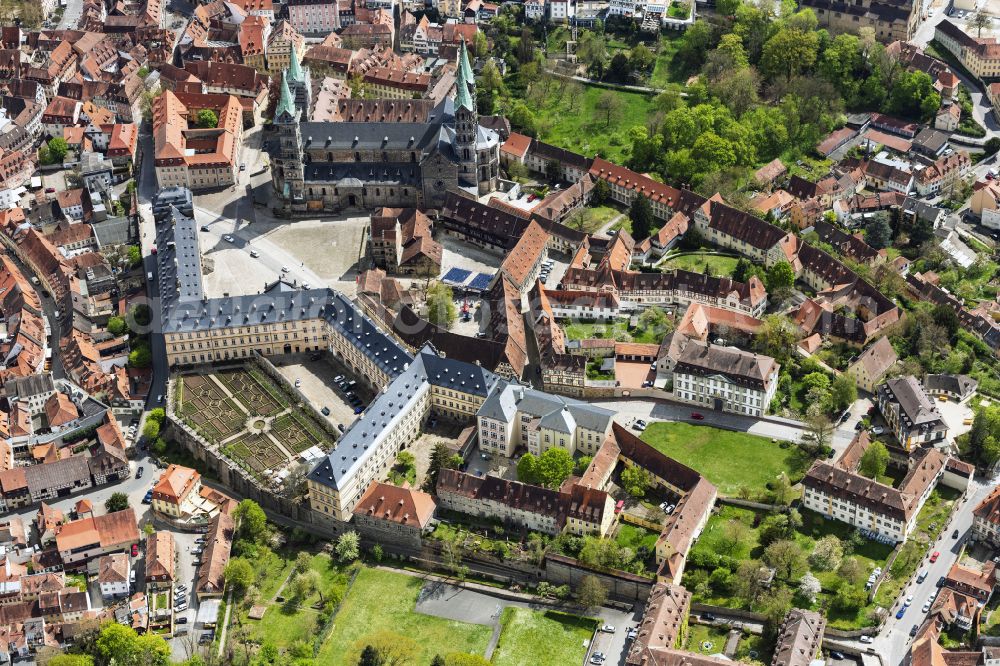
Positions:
(114, 575)
(910, 413)
(393, 515)
(986, 519)
(160, 560)
(871, 365)
(81, 540)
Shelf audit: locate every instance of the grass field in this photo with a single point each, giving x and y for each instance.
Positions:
(728, 459)
(614, 330)
(532, 638)
(696, 263)
(285, 623)
(579, 126)
(590, 220)
(383, 600)
(704, 639)
(634, 537)
(663, 71)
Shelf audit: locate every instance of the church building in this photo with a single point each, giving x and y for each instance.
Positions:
(333, 166)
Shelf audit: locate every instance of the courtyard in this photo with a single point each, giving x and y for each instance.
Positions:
(250, 418)
(736, 462)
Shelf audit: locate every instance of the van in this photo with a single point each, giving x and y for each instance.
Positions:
(922, 577)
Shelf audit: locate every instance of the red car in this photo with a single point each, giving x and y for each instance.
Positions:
(697, 417)
(935, 556)
(619, 506)
(135, 550)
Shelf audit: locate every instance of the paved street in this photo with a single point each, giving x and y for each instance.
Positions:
(893, 642)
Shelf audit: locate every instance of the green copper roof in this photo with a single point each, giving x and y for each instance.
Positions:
(462, 95)
(294, 69)
(463, 61)
(285, 102)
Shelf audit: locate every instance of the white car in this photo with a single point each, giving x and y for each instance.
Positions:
(284, 269)
(229, 239)
(865, 639)
(926, 607)
(640, 425)
(877, 430)
(608, 628)
(909, 599)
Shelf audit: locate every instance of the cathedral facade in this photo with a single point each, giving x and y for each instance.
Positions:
(334, 166)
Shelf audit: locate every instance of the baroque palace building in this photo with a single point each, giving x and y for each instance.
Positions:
(332, 166)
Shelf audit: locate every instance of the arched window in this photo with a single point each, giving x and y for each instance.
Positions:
(357, 157)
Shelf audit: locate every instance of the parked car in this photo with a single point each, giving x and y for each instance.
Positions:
(908, 600)
(859, 426)
(325, 411)
(254, 253)
(934, 556)
(877, 430)
(138, 472)
(913, 630)
(697, 416)
(670, 509)
(284, 269)
(926, 607)
(298, 382)
(836, 655)
(135, 550)
(954, 535)
(900, 613)
(640, 425)
(340, 427)
(708, 617)
(619, 506)
(148, 497)
(865, 639)
(229, 239)
(358, 410)
(181, 620)
(204, 227)
(608, 628)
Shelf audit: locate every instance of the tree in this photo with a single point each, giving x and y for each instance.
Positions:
(116, 325)
(393, 649)
(251, 522)
(636, 480)
(819, 427)
(843, 392)
(914, 96)
(874, 460)
(552, 467)
(465, 659)
(581, 464)
(480, 45)
(117, 502)
(348, 546)
(441, 458)
(734, 532)
(122, 646)
(984, 437)
(151, 430)
(992, 145)
(827, 553)
(601, 193)
(777, 336)
(781, 488)
(641, 214)
(850, 570)
(303, 584)
(849, 599)
(751, 579)
(239, 574)
(58, 148)
(786, 557)
(441, 310)
(303, 562)
(727, 7)
(207, 118)
(527, 469)
(140, 356)
(809, 587)
(610, 105)
(371, 657)
(655, 320)
(591, 593)
(134, 255)
(979, 21)
(780, 277)
(878, 233)
(789, 52)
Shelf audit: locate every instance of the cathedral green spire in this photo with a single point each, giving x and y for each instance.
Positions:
(286, 104)
(294, 69)
(463, 61)
(462, 95)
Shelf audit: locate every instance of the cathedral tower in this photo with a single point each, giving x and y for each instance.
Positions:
(287, 172)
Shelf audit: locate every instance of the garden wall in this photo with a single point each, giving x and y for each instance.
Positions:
(562, 570)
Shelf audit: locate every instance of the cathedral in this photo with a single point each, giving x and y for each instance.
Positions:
(333, 166)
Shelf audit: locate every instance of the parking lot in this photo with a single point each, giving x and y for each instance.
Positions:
(954, 415)
(456, 253)
(317, 384)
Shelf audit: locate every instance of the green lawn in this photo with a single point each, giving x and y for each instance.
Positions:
(634, 537)
(615, 330)
(590, 220)
(728, 459)
(383, 600)
(534, 638)
(577, 124)
(286, 623)
(699, 635)
(697, 262)
(663, 72)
